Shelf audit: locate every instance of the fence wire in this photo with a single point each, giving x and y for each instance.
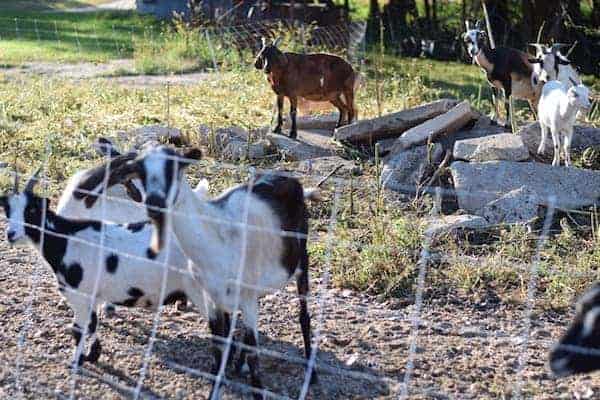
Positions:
(323, 302)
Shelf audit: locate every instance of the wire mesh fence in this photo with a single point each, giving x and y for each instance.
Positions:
(156, 358)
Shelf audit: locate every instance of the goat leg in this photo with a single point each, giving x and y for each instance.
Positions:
(337, 102)
(216, 324)
(302, 284)
(293, 113)
(277, 128)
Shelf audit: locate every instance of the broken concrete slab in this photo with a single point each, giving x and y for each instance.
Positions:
(404, 170)
(583, 137)
(392, 125)
(309, 144)
(504, 146)
(478, 184)
(480, 127)
(442, 125)
(451, 223)
(515, 207)
(323, 121)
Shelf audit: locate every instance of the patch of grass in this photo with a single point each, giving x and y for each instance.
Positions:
(71, 37)
(375, 247)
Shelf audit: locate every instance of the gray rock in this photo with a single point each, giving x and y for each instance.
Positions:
(309, 144)
(517, 206)
(583, 137)
(155, 134)
(478, 184)
(324, 121)
(402, 171)
(242, 150)
(482, 127)
(451, 223)
(504, 146)
(324, 165)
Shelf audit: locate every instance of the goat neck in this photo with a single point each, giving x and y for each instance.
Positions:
(484, 58)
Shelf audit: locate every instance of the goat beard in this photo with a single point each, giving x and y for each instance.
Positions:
(157, 240)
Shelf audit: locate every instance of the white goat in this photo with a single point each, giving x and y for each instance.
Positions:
(550, 64)
(558, 109)
(252, 238)
(97, 262)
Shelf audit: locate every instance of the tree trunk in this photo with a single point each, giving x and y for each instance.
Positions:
(427, 14)
(373, 22)
(596, 13)
(434, 13)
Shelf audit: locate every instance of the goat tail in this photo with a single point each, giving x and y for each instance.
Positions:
(312, 194)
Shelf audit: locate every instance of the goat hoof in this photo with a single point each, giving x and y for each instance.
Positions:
(277, 130)
(293, 135)
(81, 360)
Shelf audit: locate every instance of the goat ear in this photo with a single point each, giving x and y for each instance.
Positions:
(263, 40)
(3, 201)
(125, 172)
(479, 25)
(106, 148)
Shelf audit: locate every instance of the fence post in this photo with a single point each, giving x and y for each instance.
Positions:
(37, 32)
(56, 33)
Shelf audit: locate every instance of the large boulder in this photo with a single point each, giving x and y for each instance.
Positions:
(583, 137)
(478, 184)
(404, 170)
(504, 146)
(517, 206)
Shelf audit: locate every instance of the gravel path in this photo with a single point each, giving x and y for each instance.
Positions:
(463, 350)
(109, 71)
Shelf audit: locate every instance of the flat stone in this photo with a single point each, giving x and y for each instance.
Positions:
(309, 144)
(451, 223)
(478, 184)
(504, 146)
(402, 171)
(517, 206)
(306, 122)
(324, 165)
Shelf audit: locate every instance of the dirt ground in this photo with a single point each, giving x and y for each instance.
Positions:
(464, 349)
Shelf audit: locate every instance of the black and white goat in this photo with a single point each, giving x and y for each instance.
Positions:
(578, 351)
(506, 69)
(97, 262)
(251, 239)
(550, 64)
(122, 203)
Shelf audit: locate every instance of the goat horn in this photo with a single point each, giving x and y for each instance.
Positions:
(32, 181)
(467, 25)
(276, 41)
(557, 46)
(573, 81)
(264, 41)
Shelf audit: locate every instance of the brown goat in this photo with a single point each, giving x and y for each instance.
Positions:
(315, 77)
